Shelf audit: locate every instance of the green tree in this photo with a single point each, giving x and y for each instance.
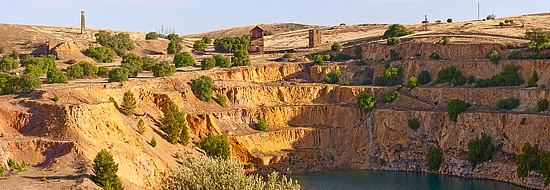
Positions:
(119, 43)
(480, 150)
(183, 59)
(174, 124)
(392, 76)
(542, 105)
(366, 102)
(413, 123)
(413, 82)
(232, 44)
(15, 54)
(215, 146)
(206, 40)
(240, 58)
(133, 63)
(151, 36)
(396, 30)
(358, 52)
(221, 99)
(336, 46)
(175, 44)
(393, 41)
(507, 103)
(153, 142)
(288, 55)
(261, 125)
(532, 82)
(105, 169)
(508, 77)
(199, 46)
(148, 63)
(128, 103)
(446, 41)
(449, 20)
(163, 69)
(8, 83)
(75, 71)
(435, 158)
(455, 107)
(29, 82)
(450, 75)
(102, 71)
(389, 96)
(56, 76)
(118, 75)
(333, 77)
(208, 63)
(141, 126)
(99, 54)
(221, 61)
(434, 55)
(494, 56)
(7, 63)
(540, 38)
(424, 77)
(203, 87)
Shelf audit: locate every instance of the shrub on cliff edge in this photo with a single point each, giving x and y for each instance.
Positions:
(480, 150)
(455, 107)
(366, 102)
(435, 158)
(105, 169)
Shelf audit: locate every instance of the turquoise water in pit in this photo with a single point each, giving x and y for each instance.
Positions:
(385, 180)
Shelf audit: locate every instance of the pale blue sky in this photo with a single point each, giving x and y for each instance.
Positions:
(193, 16)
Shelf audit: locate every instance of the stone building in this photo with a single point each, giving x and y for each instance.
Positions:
(314, 38)
(257, 40)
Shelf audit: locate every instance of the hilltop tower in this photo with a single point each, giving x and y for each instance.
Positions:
(82, 23)
(314, 37)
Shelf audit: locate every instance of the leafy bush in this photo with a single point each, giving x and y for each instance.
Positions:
(413, 82)
(446, 41)
(508, 77)
(333, 77)
(75, 71)
(99, 54)
(105, 169)
(118, 75)
(542, 105)
(174, 124)
(540, 38)
(14, 54)
(2, 170)
(82, 69)
(206, 40)
(455, 107)
(208, 63)
(537, 55)
(7, 63)
(221, 61)
(56, 76)
(424, 77)
(438, 21)
(396, 30)
(240, 58)
(141, 126)
(434, 55)
(231, 44)
(450, 75)
(435, 158)
(215, 146)
(221, 99)
(358, 52)
(203, 87)
(119, 43)
(261, 125)
(471, 79)
(389, 96)
(480, 150)
(199, 46)
(18, 167)
(102, 71)
(494, 56)
(490, 17)
(288, 55)
(341, 57)
(366, 102)
(133, 63)
(183, 60)
(392, 76)
(533, 159)
(148, 63)
(318, 59)
(56, 98)
(174, 46)
(222, 174)
(153, 142)
(532, 82)
(393, 41)
(507, 103)
(449, 20)
(414, 123)
(163, 69)
(336, 46)
(268, 33)
(29, 82)
(151, 36)
(9, 83)
(515, 54)
(38, 65)
(128, 103)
